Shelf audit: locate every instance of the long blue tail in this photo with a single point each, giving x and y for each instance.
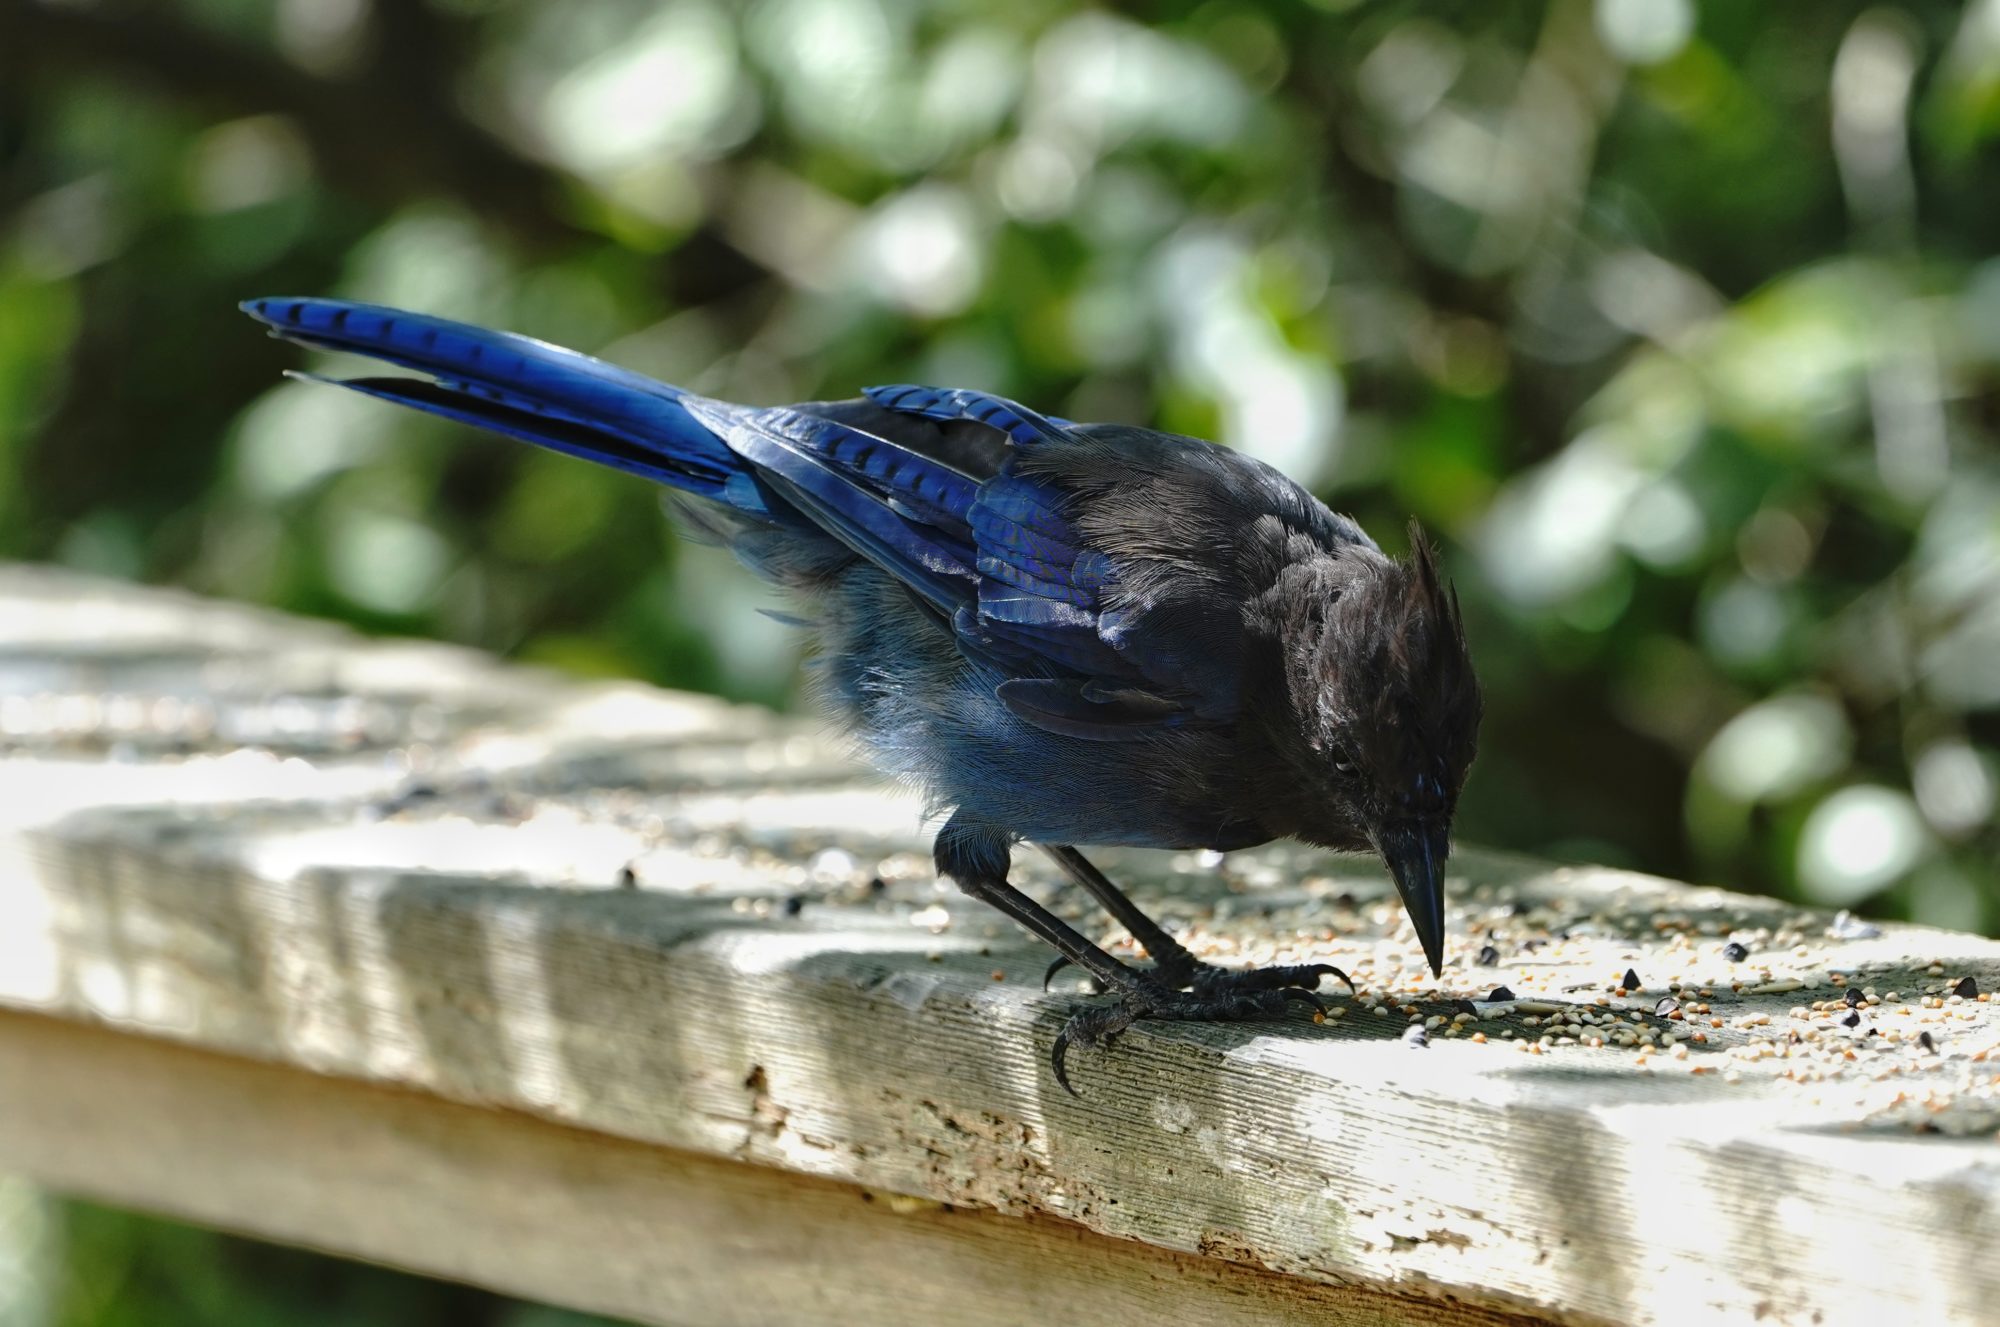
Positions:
(799, 473)
(530, 390)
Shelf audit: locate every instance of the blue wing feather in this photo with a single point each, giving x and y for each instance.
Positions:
(1019, 423)
(797, 450)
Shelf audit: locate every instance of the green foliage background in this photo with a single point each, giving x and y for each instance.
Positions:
(1679, 325)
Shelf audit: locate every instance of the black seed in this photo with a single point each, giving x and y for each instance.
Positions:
(876, 884)
(1925, 1040)
(1734, 952)
(1667, 1005)
(1488, 957)
(1501, 993)
(627, 877)
(1853, 996)
(1853, 1020)
(1464, 1007)
(1967, 989)
(1795, 1038)
(795, 905)
(411, 796)
(1414, 1035)
(1631, 982)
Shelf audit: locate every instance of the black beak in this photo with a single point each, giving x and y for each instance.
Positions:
(1415, 851)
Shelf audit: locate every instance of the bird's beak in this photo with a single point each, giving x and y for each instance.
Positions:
(1415, 851)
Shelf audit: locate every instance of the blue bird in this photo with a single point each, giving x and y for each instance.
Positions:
(1065, 633)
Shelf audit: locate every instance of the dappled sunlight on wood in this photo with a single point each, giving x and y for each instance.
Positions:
(1617, 1077)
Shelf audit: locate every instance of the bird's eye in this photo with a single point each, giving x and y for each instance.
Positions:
(1344, 768)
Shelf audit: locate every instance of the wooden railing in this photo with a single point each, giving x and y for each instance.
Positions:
(649, 1005)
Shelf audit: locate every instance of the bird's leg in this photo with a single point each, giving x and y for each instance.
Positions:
(1171, 959)
(975, 856)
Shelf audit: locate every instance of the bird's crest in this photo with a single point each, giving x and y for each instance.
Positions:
(1395, 698)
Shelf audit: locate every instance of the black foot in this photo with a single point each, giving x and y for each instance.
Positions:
(1150, 997)
(1185, 972)
(1210, 980)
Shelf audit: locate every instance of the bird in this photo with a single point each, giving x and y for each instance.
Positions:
(1067, 634)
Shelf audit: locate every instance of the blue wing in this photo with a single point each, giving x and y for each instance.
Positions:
(1022, 425)
(1048, 607)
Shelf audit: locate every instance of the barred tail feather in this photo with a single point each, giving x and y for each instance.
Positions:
(529, 390)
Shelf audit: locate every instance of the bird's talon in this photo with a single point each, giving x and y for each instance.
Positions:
(1148, 996)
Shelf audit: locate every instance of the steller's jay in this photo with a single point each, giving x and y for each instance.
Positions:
(1066, 633)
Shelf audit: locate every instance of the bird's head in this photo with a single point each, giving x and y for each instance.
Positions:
(1384, 715)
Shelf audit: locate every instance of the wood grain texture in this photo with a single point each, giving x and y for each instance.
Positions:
(566, 1216)
(692, 927)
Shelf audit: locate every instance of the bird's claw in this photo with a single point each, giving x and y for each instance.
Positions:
(1205, 978)
(1096, 986)
(1213, 980)
(1149, 997)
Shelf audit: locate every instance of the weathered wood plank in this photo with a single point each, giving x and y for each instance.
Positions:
(582, 1219)
(571, 902)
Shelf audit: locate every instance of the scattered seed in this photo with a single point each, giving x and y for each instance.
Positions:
(1925, 1040)
(1488, 957)
(1501, 993)
(1853, 1020)
(795, 905)
(1667, 1005)
(1631, 980)
(1847, 926)
(627, 877)
(1966, 988)
(1465, 1008)
(1853, 996)
(1735, 952)
(1414, 1035)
